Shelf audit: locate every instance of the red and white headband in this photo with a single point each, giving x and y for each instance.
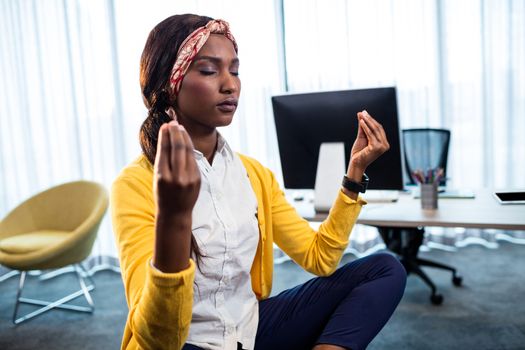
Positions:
(191, 46)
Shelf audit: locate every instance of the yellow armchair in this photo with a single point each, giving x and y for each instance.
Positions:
(53, 229)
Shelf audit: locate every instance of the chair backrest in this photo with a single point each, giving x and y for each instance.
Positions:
(426, 149)
(75, 207)
(63, 207)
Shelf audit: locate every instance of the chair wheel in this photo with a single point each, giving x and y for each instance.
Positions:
(436, 299)
(457, 280)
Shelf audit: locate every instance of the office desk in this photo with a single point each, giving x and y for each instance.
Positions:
(483, 212)
(401, 225)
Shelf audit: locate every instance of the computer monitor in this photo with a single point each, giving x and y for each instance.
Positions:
(304, 121)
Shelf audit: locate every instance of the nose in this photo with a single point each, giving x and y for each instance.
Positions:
(229, 83)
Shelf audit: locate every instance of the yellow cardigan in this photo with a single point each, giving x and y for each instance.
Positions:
(160, 304)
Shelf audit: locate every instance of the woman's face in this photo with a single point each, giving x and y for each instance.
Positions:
(211, 87)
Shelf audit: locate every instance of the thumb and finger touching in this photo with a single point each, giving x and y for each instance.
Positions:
(376, 140)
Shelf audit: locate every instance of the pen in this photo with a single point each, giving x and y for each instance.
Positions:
(439, 175)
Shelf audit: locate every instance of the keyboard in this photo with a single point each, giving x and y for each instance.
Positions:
(381, 196)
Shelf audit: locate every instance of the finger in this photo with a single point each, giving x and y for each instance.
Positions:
(360, 132)
(375, 125)
(381, 130)
(190, 158)
(162, 156)
(369, 130)
(178, 149)
(171, 112)
(372, 138)
(191, 164)
(378, 140)
(372, 123)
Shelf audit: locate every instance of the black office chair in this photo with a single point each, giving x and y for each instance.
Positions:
(424, 149)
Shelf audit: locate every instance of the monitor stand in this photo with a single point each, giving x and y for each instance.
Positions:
(330, 171)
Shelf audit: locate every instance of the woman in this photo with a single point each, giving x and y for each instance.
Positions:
(189, 201)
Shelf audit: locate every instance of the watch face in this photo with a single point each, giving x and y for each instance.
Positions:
(365, 182)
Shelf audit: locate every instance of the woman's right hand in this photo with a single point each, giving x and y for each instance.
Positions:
(176, 187)
(176, 174)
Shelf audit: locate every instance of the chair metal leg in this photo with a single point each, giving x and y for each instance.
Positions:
(456, 279)
(85, 274)
(64, 270)
(85, 290)
(60, 303)
(414, 267)
(57, 272)
(435, 264)
(8, 275)
(19, 293)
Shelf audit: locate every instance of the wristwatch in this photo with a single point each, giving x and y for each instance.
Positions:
(353, 186)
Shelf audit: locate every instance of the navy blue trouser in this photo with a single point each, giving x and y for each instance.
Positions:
(347, 308)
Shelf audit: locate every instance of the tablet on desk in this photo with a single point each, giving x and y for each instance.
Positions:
(510, 197)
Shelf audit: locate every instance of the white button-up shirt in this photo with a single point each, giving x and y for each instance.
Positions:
(224, 223)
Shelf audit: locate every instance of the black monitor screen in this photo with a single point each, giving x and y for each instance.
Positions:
(304, 121)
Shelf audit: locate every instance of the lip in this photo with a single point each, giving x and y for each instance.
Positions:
(228, 105)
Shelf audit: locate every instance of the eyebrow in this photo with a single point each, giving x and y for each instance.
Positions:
(214, 59)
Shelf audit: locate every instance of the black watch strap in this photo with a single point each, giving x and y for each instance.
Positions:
(357, 187)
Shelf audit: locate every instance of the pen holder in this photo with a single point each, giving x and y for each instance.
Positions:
(429, 196)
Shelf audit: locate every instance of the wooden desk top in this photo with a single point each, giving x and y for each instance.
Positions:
(483, 211)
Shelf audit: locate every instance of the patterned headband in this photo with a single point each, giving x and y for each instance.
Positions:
(191, 46)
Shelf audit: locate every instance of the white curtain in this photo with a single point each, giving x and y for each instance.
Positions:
(71, 106)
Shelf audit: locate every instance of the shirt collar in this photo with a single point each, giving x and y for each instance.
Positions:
(223, 148)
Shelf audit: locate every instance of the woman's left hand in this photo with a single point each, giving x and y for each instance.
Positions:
(370, 143)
